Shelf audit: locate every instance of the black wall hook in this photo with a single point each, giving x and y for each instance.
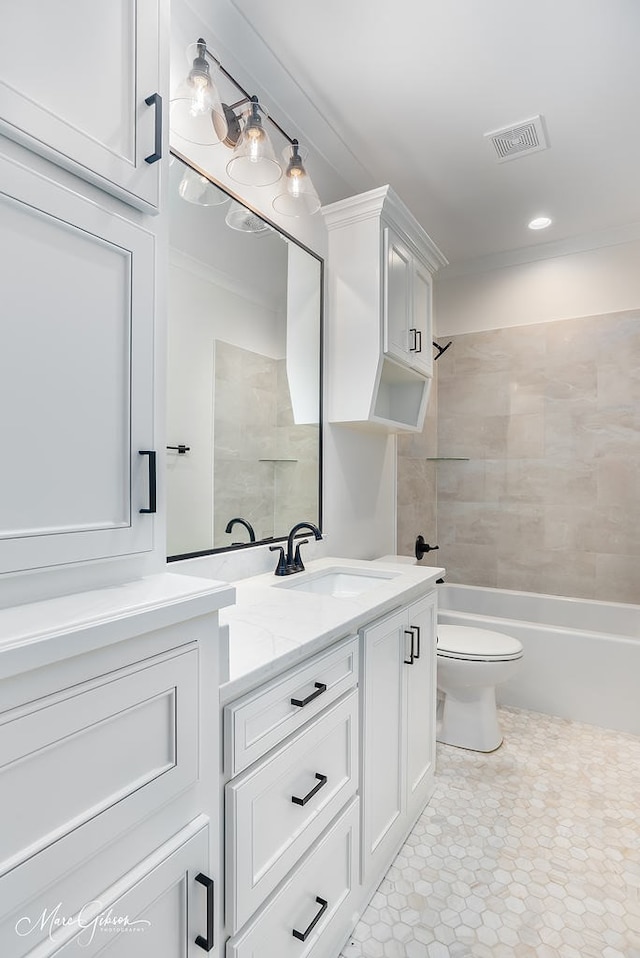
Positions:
(441, 349)
(423, 547)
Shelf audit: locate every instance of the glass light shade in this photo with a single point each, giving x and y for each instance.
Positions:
(196, 112)
(298, 196)
(197, 189)
(242, 219)
(254, 162)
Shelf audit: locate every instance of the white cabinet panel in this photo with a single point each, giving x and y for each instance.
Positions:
(383, 738)
(76, 372)
(397, 300)
(315, 899)
(278, 808)
(74, 78)
(420, 699)
(159, 909)
(262, 719)
(128, 739)
(399, 728)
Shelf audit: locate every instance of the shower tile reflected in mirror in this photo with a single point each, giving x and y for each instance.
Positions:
(243, 376)
(265, 465)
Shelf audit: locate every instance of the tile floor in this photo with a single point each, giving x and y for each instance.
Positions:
(532, 851)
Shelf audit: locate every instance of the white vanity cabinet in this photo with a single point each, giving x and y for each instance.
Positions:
(108, 772)
(80, 83)
(76, 376)
(381, 264)
(398, 719)
(292, 817)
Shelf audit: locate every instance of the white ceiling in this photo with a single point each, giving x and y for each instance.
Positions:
(402, 91)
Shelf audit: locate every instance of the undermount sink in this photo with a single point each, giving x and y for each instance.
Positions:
(340, 583)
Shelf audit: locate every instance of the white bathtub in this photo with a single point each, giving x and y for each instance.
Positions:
(581, 657)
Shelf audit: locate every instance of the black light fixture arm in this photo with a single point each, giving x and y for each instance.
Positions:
(248, 97)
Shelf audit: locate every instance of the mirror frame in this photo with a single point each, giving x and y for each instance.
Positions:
(176, 154)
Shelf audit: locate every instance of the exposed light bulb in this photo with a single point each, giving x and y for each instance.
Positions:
(299, 197)
(201, 96)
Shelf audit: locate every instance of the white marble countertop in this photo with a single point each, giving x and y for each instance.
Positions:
(38, 633)
(273, 626)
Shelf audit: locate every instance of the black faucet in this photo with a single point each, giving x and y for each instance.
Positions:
(293, 561)
(243, 522)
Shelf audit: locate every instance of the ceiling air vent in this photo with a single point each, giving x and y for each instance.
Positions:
(519, 139)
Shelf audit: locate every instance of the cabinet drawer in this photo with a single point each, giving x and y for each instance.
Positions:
(156, 909)
(261, 720)
(328, 873)
(97, 757)
(275, 811)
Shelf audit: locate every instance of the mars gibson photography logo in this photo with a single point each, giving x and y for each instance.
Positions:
(92, 919)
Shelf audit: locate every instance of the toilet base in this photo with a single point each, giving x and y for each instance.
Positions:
(468, 719)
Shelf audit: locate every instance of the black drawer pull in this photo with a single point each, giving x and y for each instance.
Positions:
(320, 687)
(416, 629)
(303, 935)
(207, 943)
(412, 655)
(152, 478)
(316, 788)
(155, 100)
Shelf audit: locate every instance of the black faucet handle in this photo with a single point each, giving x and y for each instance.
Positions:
(281, 568)
(423, 547)
(298, 564)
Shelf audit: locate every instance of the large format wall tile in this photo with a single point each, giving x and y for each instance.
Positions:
(547, 418)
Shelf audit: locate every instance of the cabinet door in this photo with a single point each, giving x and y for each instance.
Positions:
(396, 296)
(74, 77)
(420, 704)
(383, 771)
(76, 376)
(162, 908)
(420, 330)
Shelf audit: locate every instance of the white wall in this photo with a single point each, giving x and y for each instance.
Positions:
(585, 283)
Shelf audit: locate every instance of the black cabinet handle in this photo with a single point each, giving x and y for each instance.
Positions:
(412, 656)
(303, 935)
(418, 341)
(152, 478)
(155, 100)
(320, 687)
(207, 943)
(412, 349)
(416, 629)
(316, 788)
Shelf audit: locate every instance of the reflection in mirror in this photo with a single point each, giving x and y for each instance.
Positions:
(243, 370)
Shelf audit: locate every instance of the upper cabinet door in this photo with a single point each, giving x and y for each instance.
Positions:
(76, 377)
(421, 328)
(397, 296)
(74, 78)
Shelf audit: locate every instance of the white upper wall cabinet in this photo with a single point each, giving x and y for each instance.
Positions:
(74, 83)
(76, 377)
(381, 263)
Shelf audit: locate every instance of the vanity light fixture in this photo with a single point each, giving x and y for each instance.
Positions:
(199, 116)
(197, 189)
(540, 223)
(244, 221)
(196, 111)
(298, 197)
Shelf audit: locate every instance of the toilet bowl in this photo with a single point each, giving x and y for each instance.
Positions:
(471, 662)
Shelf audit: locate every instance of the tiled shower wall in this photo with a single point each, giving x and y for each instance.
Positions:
(534, 484)
(265, 466)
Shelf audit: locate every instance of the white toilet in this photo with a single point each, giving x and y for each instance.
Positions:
(471, 662)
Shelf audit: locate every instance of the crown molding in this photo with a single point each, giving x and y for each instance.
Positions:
(616, 236)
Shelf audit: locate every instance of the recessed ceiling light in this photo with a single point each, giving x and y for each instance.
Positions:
(540, 223)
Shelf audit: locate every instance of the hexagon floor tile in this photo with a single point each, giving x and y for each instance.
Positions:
(531, 851)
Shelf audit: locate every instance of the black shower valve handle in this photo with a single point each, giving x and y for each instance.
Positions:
(423, 547)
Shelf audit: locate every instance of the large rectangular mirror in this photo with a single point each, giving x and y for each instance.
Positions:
(244, 373)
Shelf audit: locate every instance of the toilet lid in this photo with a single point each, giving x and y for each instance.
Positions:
(466, 642)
